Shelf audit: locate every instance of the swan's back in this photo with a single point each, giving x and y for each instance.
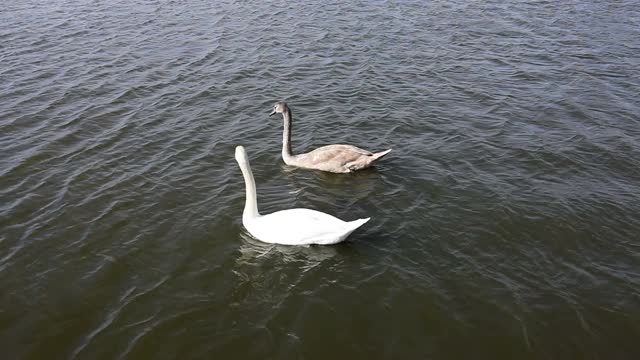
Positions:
(337, 158)
(301, 227)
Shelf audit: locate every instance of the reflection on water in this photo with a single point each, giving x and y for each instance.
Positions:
(254, 252)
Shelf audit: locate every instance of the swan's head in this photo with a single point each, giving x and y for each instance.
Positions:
(241, 155)
(279, 108)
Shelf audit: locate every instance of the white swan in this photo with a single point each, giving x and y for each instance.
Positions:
(336, 158)
(293, 226)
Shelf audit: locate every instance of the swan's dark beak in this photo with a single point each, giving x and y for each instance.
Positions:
(273, 112)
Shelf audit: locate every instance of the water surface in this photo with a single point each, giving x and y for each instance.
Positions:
(504, 222)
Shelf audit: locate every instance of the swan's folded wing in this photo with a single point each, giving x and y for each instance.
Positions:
(336, 153)
(299, 227)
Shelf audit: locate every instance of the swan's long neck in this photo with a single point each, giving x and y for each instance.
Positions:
(251, 203)
(286, 136)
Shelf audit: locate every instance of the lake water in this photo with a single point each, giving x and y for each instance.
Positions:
(505, 223)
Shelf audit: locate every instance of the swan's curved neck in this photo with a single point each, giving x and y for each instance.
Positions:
(251, 203)
(286, 136)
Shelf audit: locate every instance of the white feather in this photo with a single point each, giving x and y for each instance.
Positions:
(292, 226)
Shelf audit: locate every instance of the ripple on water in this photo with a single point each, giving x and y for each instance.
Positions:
(504, 218)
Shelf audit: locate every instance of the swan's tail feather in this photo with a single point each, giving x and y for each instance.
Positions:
(350, 227)
(353, 225)
(380, 154)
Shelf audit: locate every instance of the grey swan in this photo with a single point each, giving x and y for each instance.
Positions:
(336, 158)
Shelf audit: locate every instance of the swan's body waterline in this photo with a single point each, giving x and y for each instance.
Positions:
(292, 226)
(336, 158)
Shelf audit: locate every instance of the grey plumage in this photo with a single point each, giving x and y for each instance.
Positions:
(336, 158)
